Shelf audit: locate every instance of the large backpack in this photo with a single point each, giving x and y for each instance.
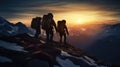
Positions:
(60, 27)
(47, 23)
(35, 22)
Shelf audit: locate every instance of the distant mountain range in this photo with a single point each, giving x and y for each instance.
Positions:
(9, 29)
(107, 44)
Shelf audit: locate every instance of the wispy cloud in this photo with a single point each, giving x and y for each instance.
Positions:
(12, 9)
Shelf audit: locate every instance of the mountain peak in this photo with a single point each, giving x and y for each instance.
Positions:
(2, 20)
(10, 29)
(117, 25)
(19, 23)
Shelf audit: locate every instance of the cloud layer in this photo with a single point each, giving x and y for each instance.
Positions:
(12, 9)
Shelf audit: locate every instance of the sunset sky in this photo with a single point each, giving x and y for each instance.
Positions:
(74, 11)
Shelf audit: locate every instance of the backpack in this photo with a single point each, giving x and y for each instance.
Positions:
(47, 23)
(35, 23)
(60, 26)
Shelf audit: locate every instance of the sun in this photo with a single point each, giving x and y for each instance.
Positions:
(79, 21)
(77, 17)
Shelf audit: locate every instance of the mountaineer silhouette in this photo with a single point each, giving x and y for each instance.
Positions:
(35, 24)
(48, 24)
(62, 30)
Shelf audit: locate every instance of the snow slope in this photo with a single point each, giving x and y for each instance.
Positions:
(107, 45)
(11, 46)
(9, 29)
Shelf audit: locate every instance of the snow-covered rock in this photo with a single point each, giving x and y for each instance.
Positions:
(11, 46)
(66, 63)
(9, 29)
(86, 59)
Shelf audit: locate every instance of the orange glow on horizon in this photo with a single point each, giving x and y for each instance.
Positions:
(72, 18)
(77, 17)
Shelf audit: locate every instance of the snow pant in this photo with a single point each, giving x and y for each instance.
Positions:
(61, 34)
(38, 32)
(49, 35)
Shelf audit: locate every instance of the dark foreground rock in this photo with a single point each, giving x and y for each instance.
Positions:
(30, 52)
(19, 49)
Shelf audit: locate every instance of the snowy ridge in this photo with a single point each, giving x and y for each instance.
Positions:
(86, 59)
(9, 29)
(66, 63)
(11, 46)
